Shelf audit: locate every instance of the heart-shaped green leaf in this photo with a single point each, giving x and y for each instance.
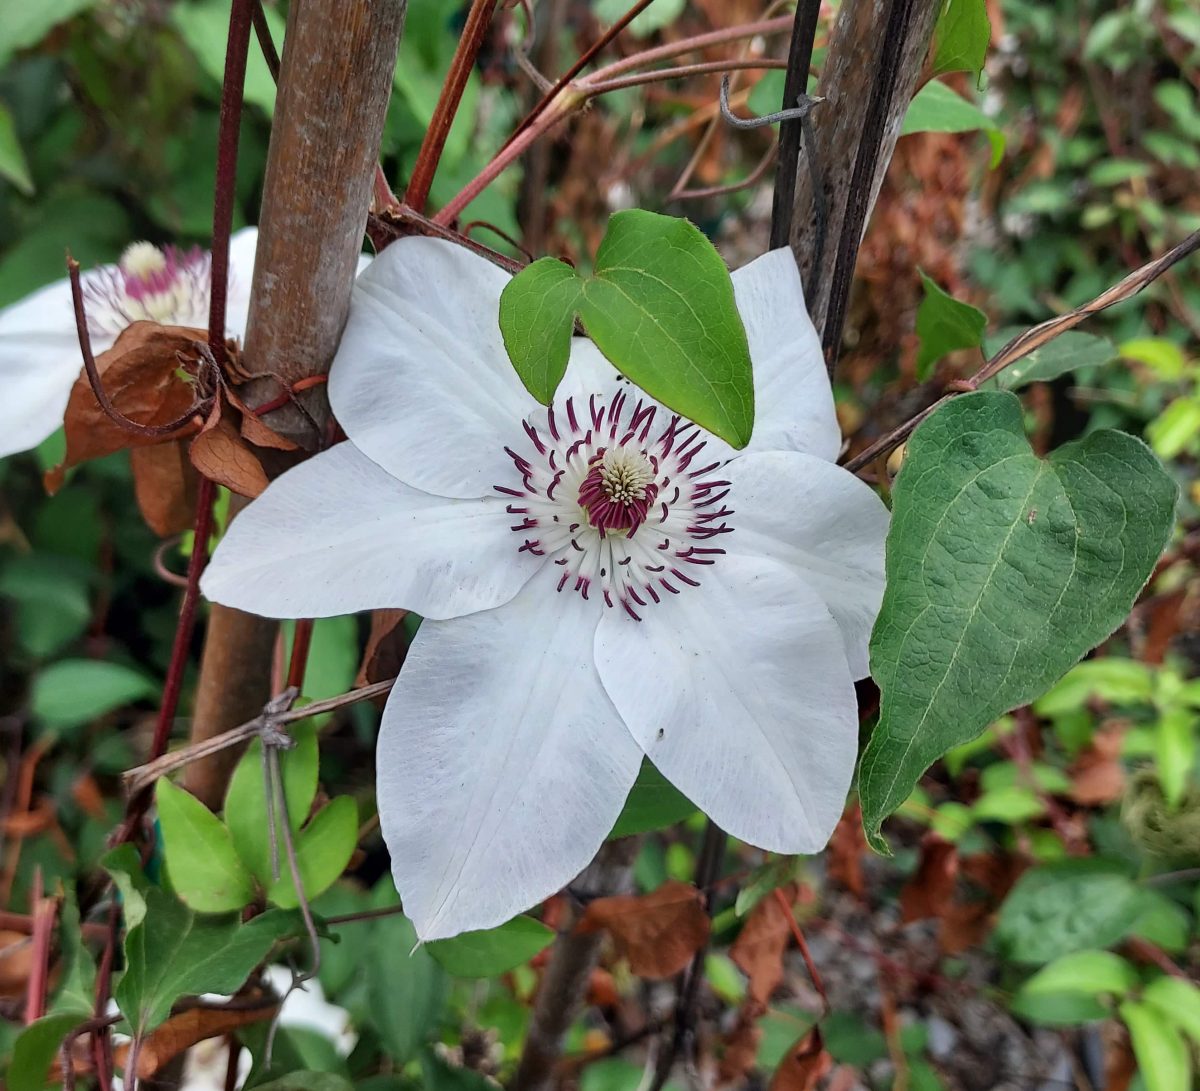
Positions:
(1003, 569)
(659, 305)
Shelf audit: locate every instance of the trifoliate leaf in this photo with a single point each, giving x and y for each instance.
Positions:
(659, 305)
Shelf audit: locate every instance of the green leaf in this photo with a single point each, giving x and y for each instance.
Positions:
(35, 1049)
(961, 37)
(52, 605)
(203, 864)
(1162, 1054)
(1002, 570)
(1163, 922)
(74, 692)
(1175, 429)
(204, 25)
(1058, 1009)
(124, 864)
(1178, 1001)
(653, 804)
(307, 1081)
(765, 878)
(1083, 972)
(659, 305)
(537, 319)
(406, 988)
(12, 159)
(333, 656)
(245, 800)
(494, 951)
(937, 108)
(173, 953)
(1013, 805)
(1111, 678)
(659, 14)
(1175, 752)
(1165, 357)
(945, 325)
(27, 24)
(323, 849)
(1067, 352)
(1069, 906)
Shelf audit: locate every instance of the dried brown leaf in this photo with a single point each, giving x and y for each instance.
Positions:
(1097, 776)
(806, 1062)
(221, 454)
(184, 1030)
(256, 431)
(658, 933)
(386, 648)
(16, 962)
(142, 374)
(758, 949)
(846, 849)
(929, 892)
(164, 482)
(740, 1046)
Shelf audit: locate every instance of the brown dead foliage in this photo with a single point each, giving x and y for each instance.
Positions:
(221, 454)
(759, 947)
(929, 891)
(184, 1030)
(843, 860)
(806, 1062)
(739, 1052)
(386, 647)
(164, 484)
(1097, 776)
(16, 963)
(149, 375)
(658, 933)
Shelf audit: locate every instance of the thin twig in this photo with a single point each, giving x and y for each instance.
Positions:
(271, 757)
(660, 75)
(708, 869)
(262, 31)
(1032, 339)
(804, 33)
(470, 42)
(584, 60)
(237, 48)
(764, 164)
(802, 943)
(142, 776)
(792, 113)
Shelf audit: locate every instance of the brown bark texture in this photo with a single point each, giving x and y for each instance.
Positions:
(334, 85)
(851, 70)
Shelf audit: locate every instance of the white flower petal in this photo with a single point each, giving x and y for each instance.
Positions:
(739, 693)
(337, 534)
(242, 248)
(39, 363)
(793, 401)
(421, 382)
(825, 524)
(501, 763)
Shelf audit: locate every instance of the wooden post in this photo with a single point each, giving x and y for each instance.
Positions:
(334, 85)
(852, 70)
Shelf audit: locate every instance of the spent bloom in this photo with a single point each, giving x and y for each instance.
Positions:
(600, 581)
(39, 347)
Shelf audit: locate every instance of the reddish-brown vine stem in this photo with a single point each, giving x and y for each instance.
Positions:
(237, 50)
(470, 41)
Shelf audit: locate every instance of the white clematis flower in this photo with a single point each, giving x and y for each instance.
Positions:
(600, 581)
(39, 348)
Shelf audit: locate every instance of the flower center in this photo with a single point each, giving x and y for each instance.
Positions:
(619, 489)
(617, 507)
(149, 283)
